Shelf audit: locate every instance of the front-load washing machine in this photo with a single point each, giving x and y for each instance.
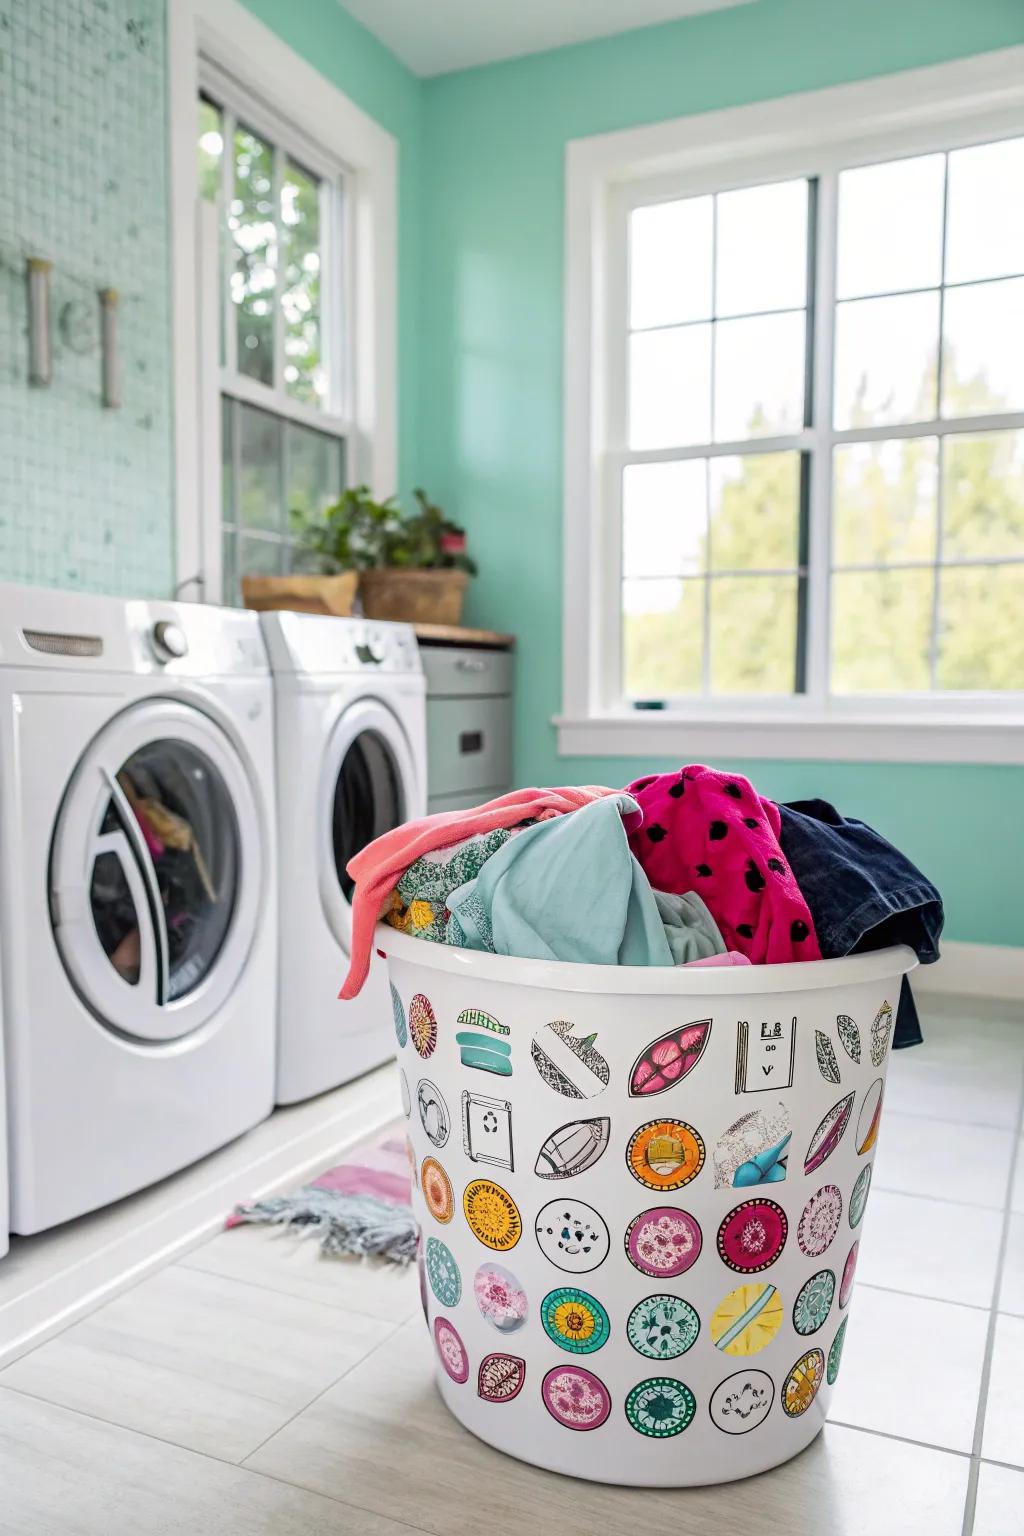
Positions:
(137, 892)
(351, 763)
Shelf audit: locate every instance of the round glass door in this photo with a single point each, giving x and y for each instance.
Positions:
(155, 872)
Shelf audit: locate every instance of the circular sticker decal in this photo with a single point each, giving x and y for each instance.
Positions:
(574, 1320)
(829, 1134)
(663, 1242)
(752, 1236)
(867, 1120)
(754, 1149)
(492, 1214)
(820, 1220)
(500, 1297)
(443, 1273)
(668, 1059)
(422, 1025)
(747, 1319)
(576, 1398)
(569, 1063)
(741, 1402)
(434, 1116)
(662, 1327)
(421, 1270)
(859, 1197)
(802, 1383)
(500, 1378)
(849, 1034)
(572, 1235)
(660, 1407)
(849, 1270)
(573, 1148)
(450, 1350)
(814, 1302)
(835, 1354)
(398, 1013)
(665, 1154)
(437, 1190)
(403, 1084)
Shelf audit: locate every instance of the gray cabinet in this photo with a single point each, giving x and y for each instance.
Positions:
(469, 724)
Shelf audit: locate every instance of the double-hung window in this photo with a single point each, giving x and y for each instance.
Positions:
(795, 467)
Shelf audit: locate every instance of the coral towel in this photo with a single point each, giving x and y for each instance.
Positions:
(377, 867)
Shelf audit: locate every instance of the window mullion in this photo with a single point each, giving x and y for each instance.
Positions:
(820, 513)
(277, 177)
(933, 635)
(227, 166)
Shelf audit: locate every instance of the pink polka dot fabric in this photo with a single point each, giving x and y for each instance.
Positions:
(712, 833)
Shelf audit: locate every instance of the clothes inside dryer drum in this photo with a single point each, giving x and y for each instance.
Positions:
(190, 831)
(367, 801)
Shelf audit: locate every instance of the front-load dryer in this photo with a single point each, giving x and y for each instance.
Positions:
(351, 764)
(137, 892)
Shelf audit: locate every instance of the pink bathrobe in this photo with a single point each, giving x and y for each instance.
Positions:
(711, 832)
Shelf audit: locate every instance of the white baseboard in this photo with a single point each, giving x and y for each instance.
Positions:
(975, 970)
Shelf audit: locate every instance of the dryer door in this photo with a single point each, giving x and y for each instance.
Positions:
(156, 872)
(369, 785)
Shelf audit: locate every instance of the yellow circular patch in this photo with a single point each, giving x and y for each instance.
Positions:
(665, 1154)
(747, 1319)
(492, 1214)
(802, 1383)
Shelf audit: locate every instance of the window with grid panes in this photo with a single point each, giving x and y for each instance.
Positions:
(284, 391)
(889, 421)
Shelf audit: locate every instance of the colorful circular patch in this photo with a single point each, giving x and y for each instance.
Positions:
(665, 1154)
(450, 1350)
(421, 1270)
(576, 1398)
(500, 1378)
(667, 1060)
(820, 1220)
(398, 1013)
(663, 1242)
(870, 1115)
(829, 1134)
(660, 1407)
(422, 1025)
(443, 1273)
(814, 1302)
(835, 1354)
(662, 1327)
(752, 1236)
(434, 1114)
(437, 1190)
(802, 1383)
(574, 1321)
(741, 1402)
(500, 1297)
(849, 1270)
(492, 1214)
(859, 1197)
(572, 1235)
(569, 1063)
(403, 1085)
(747, 1319)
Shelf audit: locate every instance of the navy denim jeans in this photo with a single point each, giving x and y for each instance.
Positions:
(863, 893)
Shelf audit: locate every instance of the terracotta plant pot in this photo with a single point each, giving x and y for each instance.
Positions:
(413, 597)
(302, 594)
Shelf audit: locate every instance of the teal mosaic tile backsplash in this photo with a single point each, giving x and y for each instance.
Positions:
(86, 493)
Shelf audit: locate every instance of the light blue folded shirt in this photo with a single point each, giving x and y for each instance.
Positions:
(569, 889)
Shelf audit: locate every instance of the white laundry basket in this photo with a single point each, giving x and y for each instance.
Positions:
(627, 1276)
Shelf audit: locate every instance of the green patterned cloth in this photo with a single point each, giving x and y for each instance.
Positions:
(418, 900)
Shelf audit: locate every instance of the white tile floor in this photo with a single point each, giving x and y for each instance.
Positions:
(230, 1391)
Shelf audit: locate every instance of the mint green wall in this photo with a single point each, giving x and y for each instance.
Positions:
(490, 363)
(353, 60)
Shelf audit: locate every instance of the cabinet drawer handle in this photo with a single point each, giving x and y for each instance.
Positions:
(471, 741)
(471, 664)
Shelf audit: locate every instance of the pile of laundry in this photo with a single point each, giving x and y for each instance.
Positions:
(692, 867)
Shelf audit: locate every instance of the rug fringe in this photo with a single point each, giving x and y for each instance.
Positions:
(342, 1223)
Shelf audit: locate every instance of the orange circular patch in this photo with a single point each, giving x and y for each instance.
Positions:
(802, 1383)
(437, 1190)
(492, 1214)
(665, 1154)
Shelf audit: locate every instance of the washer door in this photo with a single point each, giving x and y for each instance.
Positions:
(369, 786)
(156, 871)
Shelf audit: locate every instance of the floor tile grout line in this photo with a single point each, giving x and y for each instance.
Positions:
(279, 1290)
(970, 1503)
(1007, 1466)
(919, 1194)
(884, 1434)
(942, 1301)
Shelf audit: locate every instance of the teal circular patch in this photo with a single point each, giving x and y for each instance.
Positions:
(859, 1196)
(660, 1407)
(835, 1354)
(401, 1029)
(574, 1320)
(443, 1273)
(814, 1302)
(662, 1327)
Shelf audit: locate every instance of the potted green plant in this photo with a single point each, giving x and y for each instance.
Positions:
(332, 548)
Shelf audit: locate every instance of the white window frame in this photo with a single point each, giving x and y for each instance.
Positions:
(816, 134)
(220, 47)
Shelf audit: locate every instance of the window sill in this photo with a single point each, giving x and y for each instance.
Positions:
(867, 737)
